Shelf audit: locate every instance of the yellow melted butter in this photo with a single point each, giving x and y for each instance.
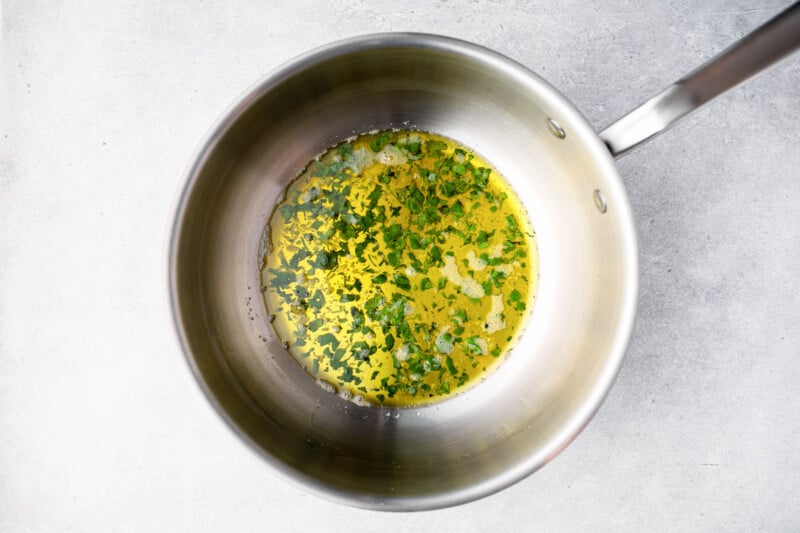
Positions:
(400, 270)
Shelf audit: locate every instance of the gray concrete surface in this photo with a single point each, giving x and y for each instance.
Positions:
(102, 427)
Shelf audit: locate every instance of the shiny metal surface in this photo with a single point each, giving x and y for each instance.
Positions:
(761, 48)
(539, 399)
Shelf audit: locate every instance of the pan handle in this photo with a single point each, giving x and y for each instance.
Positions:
(747, 57)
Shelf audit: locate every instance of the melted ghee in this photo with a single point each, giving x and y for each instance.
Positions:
(400, 269)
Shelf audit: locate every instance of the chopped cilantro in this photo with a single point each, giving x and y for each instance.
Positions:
(348, 242)
(434, 148)
(282, 278)
(379, 142)
(450, 366)
(315, 324)
(402, 281)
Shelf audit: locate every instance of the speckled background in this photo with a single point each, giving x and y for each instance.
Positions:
(102, 427)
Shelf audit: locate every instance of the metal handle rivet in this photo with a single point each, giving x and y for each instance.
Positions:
(600, 201)
(556, 129)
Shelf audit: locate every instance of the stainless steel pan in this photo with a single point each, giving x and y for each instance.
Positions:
(541, 397)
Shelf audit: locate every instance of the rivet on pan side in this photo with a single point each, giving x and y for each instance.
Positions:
(600, 201)
(556, 129)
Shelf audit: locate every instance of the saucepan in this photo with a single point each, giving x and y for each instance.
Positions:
(555, 378)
